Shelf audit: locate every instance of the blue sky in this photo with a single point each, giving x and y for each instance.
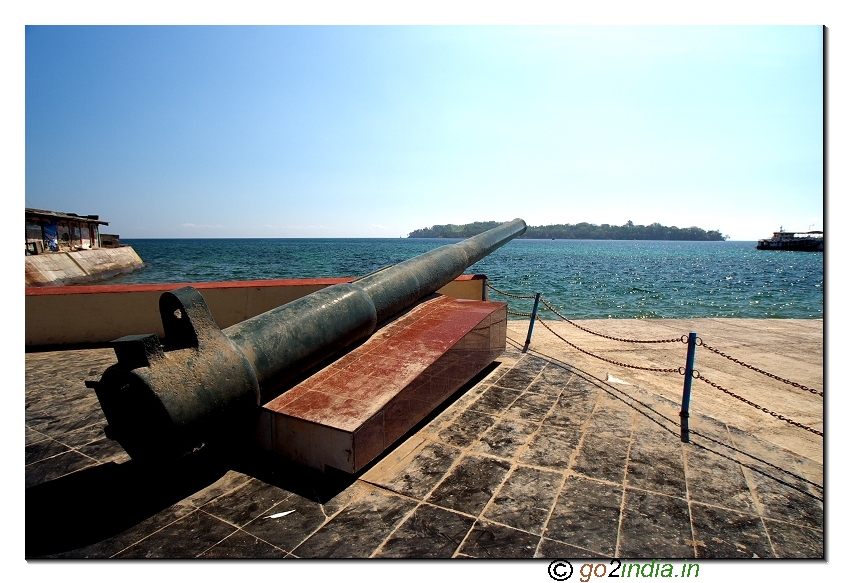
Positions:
(301, 131)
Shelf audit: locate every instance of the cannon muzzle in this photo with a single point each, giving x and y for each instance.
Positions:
(205, 383)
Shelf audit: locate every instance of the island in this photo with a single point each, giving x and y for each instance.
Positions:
(626, 232)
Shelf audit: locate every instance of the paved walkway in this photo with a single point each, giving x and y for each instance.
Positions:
(536, 458)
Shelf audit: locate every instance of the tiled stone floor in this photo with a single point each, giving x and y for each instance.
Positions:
(532, 459)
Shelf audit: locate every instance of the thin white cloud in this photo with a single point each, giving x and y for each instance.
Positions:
(297, 226)
(196, 226)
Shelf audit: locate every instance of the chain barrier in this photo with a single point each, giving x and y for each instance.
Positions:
(682, 339)
(525, 314)
(507, 294)
(651, 369)
(697, 375)
(768, 374)
(680, 370)
(692, 431)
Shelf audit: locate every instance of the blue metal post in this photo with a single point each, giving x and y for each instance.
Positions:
(532, 319)
(687, 388)
(485, 288)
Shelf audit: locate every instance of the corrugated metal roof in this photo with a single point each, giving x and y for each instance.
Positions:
(66, 216)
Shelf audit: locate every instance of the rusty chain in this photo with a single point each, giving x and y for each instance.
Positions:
(552, 309)
(768, 374)
(503, 293)
(697, 375)
(680, 370)
(651, 369)
(525, 314)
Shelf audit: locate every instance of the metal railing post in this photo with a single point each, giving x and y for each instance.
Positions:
(532, 319)
(485, 289)
(687, 388)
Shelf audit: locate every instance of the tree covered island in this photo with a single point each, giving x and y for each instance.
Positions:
(625, 232)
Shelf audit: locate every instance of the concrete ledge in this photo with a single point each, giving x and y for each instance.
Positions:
(96, 314)
(60, 269)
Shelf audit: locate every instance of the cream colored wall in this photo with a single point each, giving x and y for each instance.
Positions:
(464, 289)
(81, 318)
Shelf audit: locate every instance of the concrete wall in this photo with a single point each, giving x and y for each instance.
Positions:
(58, 316)
(58, 269)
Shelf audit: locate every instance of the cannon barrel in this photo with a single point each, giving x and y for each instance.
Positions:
(204, 383)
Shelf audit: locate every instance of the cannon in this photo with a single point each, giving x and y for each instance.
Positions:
(206, 384)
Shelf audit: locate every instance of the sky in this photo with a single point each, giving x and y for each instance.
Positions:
(374, 131)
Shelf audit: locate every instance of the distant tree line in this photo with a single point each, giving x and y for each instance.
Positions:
(625, 232)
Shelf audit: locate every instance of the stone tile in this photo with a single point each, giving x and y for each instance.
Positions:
(709, 427)
(420, 474)
(572, 409)
(56, 467)
(551, 381)
(756, 471)
(522, 374)
(655, 526)
(184, 539)
(716, 480)
(586, 515)
(505, 438)
(333, 505)
(809, 469)
(33, 436)
(656, 461)
(470, 484)
(113, 545)
(531, 407)
(43, 450)
(82, 436)
(287, 532)
(466, 428)
(359, 529)
(611, 418)
(602, 457)
(429, 533)
(551, 447)
(553, 549)
(786, 501)
(80, 416)
(525, 499)
(501, 368)
(580, 385)
(105, 450)
(762, 449)
(495, 400)
(227, 483)
(493, 541)
(725, 534)
(241, 545)
(791, 541)
(245, 503)
(462, 403)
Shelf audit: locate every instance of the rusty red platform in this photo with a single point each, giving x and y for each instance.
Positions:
(348, 413)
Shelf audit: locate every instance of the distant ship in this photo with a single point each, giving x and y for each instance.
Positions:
(785, 241)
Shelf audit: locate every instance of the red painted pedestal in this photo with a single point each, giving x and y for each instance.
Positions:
(348, 413)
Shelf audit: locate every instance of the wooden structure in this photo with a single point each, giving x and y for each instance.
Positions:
(48, 231)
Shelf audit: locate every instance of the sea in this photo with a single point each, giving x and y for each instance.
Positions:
(581, 278)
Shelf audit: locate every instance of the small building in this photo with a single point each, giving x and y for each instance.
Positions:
(51, 231)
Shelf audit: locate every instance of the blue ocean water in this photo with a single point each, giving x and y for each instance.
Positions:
(582, 279)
